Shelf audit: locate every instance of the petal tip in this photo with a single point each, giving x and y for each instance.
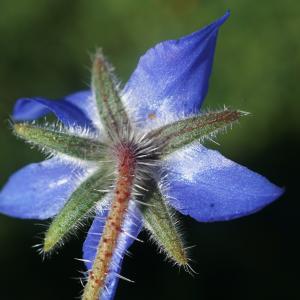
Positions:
(224, 18)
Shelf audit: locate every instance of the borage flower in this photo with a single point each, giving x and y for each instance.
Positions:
(129, 157)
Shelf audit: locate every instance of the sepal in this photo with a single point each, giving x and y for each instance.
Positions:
(105, 91)
(161, 224)
(55, 140)
(179, 134)
(80, 205)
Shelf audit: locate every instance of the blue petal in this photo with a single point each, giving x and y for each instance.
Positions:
(131, 228)
(209, 187)
(173, 76)
(39, 190)
(71, 110)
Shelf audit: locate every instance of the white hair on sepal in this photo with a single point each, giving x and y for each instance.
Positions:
(84, 132)
(95, 116)
(212, 135)
(166, 115)
(180, 234)
(77, 130)
(162, 180)
(93, 108)
(89, 166)
(80, 131)
(77, 227)
(163, 184)
(79, 177)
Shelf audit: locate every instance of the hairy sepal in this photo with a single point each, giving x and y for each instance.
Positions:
(105, 91)
(161, 224)
(55, 140)
(178, 134)
(80, 205)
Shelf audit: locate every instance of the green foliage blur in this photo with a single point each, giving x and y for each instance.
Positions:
(45, 49)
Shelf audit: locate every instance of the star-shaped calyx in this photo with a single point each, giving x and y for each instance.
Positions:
(126, 165)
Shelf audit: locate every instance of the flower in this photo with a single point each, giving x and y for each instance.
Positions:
(129, 157)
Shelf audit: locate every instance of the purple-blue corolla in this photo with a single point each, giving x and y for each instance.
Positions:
(130, 157)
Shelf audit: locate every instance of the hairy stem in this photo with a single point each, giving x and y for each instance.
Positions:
(113, 225)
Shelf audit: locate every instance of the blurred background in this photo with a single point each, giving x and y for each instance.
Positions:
(44, 51)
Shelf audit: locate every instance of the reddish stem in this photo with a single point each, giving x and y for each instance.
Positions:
(113, 225)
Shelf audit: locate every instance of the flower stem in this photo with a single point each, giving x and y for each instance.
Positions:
(108, 243)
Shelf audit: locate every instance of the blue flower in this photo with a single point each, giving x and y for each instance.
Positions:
(153, 167)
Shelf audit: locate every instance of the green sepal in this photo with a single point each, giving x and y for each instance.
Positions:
(78, 207)
(59, 141)
(159, 221)
(176, 135)
(109, 104)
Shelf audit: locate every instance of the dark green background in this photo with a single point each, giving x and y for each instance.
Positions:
(44, 50)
